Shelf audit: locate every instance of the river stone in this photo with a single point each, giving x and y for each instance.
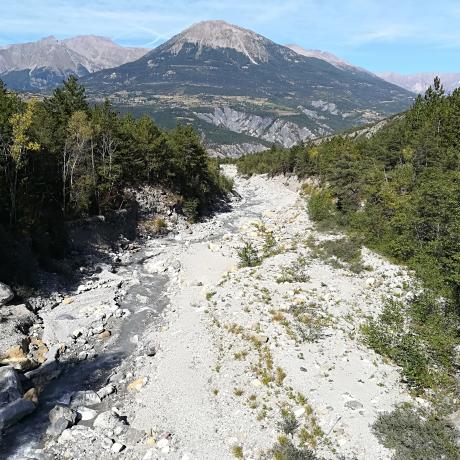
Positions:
(106, 391)
(10, 386)
(58, 427)
(58, 412)
(17, 357)
(6, 294)
(15, 411)
(86, 413)
(107, 421)
(117, 447)
(85, 398)
(353, 405)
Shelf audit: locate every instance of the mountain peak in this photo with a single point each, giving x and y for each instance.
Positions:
(220, 34)
(48, 40)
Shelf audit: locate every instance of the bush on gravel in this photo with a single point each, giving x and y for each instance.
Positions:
(416, 435)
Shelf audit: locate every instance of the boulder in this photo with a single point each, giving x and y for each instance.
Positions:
(59, 411)
(107, 420)
(14, 412)
(10, 386)
(85, 398)
(6, 294)
(61, 418)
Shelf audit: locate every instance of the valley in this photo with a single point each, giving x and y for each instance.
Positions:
(204, 358)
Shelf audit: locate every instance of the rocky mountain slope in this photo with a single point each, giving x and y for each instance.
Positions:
(41, 65)
(419, 83)
(265, 90)
(173, 350)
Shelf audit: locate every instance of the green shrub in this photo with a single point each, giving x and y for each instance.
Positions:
(343, 252)
(191, 209)
(420, 336)
(416, 435)
(289, 423)
(248, 255)
(295, 273)
(321, 208)
(285, 449)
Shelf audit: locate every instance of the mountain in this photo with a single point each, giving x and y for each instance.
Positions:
(419, 83)
(42, 65)
(323, 55)
(217, 75)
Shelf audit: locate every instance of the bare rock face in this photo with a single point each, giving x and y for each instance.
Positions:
(267, 128)
(220, 34)
(44, 63)
(6, 294)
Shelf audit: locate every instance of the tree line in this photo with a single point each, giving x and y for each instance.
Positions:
(63, 159)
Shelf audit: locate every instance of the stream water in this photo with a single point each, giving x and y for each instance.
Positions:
(145, 299)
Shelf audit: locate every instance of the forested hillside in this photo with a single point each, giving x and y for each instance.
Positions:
(400, 189)
(399, 194)
(62, 159)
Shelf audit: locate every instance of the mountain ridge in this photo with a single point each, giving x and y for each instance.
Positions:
(42, 65)
(214, 65)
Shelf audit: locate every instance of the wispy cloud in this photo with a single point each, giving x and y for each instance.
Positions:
(347, 27)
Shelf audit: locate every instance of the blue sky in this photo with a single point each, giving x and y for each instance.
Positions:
(404, 36)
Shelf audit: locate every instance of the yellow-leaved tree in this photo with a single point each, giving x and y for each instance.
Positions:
(21, 144)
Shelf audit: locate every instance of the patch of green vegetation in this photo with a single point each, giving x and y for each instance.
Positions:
(237, 452)
(341, 253)
(417, 435)
(295, 273)
(248, 255)
(420, 336)
(285, 449)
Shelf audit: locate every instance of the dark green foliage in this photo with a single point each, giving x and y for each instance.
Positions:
(414, 435)
(74, 161)
(420, 336)
(343, 252)
(400, 189)
(289, 423)
(285, 449)
(249, 256)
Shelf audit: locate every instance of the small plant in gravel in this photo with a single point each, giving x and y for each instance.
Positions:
(289, 423)
(249, 256)
(210, 295)
(238, 392)
(237, 452)
(341, 253)
(240, 355)
(277, 315)
(157, 225)
(280, 375)
(417, 435)
(295, 273)
(285, 449)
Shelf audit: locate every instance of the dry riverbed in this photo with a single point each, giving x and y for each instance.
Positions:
(176, 351)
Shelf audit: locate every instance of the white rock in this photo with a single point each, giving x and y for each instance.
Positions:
(299, 411)
(370, 281)
(162, 443)
(86, 413)
(117, 447)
